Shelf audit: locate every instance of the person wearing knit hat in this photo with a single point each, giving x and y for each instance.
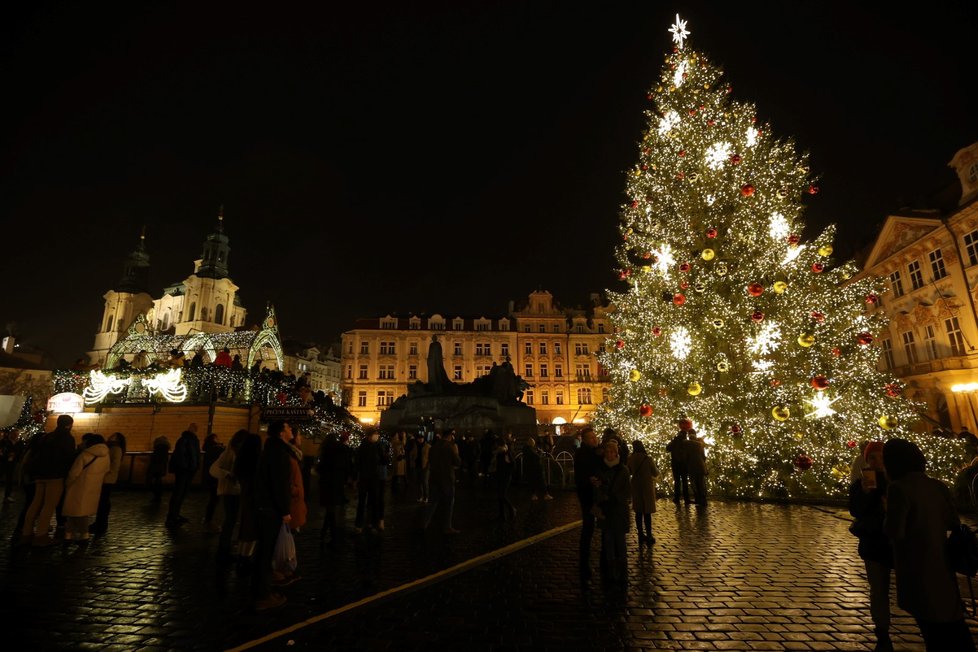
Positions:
(867, 505)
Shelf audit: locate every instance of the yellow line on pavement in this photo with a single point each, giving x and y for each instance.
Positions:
(430, 579)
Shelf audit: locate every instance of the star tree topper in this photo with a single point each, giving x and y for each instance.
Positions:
(679, 31)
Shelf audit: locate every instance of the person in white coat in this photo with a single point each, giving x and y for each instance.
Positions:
(83, 486)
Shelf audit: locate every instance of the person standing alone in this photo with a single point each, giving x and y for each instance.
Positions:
(586, 472)
(183, 464)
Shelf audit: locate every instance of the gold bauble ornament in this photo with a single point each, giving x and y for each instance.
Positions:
(634, 375)
(780, 286)
(799, 436)
(780, 413)
(806, 340)
(647, 269)
(887, 422)
(708, 254)
(723, 367)
(718, 323)
(825, 251)
(694, 389)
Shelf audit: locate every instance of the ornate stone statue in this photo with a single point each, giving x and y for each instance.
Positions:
(438, 381)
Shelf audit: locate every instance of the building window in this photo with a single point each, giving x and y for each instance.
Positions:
(584, 395)
(108, 324)
(543, 371)
(193, 312)
(361, 399)
(560, 397)
(971, 246)
(457, 324)
(349, 347)
(528, 348)
(457, 372)
(504, 349)
(412, 372)
(558, 371)
(364, 348)
(219, 314)
(896, 283)
(579, 328)
(526, 328)
(581, 348)
(601, 328)
(414, 324)
(384, 398)
(556, 328)
(413, 348)
(482, 348)
(386, 348)
(529, 370)
(916, 278)
(437, 325)
(583, 372)
(349, 371)
(544, 397)
(542, 328)
(503, 325)
(930, 342)
(910, 347)
(482, 326)
(457, 348)
(887, 348)
(528, 397)
(937, 264)
(954, 336)
(543, 348)
(386, 372)
(363, 372)
(557, 348)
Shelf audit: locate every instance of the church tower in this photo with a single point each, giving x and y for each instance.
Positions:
(127, 299)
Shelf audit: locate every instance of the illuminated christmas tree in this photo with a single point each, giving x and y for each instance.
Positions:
(731, 320)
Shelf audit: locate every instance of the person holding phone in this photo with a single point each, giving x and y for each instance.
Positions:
(867, 504)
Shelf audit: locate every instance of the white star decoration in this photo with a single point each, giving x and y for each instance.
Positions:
(679, 31)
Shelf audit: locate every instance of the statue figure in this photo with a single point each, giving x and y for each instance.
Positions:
(438, 381)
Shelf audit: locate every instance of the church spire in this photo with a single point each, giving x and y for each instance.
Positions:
(214, 259)
(135, 269)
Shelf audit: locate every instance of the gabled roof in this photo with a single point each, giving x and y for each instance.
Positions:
(899, 232)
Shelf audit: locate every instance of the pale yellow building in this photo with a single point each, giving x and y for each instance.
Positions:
(553, 348)
(322, 366)
(930, 260)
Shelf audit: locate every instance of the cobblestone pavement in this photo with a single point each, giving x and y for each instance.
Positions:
(733, 576)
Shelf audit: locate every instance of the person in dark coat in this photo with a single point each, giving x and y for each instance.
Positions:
(366, 464)
(272, 504)
(680, 471)
(335, 470)
(183, 464)
(212, 450)
(444, 460)
(533, 461)
(696, 466)
(919, 514)
(51, 457)
(586, 472)
(614, 492)
(867, 505)
(644, 473)
(158, 461)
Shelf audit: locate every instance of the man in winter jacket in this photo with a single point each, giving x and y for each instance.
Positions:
(183, 465)
(586, 473)
(272, 503)
(50, 459)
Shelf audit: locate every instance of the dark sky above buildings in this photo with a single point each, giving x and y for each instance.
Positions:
(430, 156)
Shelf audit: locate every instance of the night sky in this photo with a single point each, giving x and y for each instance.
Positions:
(421, 156)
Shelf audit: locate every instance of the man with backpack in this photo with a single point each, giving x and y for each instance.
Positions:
(183, 465)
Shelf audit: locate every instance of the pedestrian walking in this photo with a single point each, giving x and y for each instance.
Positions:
(586, 470)
(614, 492)
(83, 486)
(335, 471)
(679, 466)
(644, 473)
(399, 457)
(696, 466)
(229, 491)
(420, 458)
(50, 460)
(919, 514)
(867, 505)
(444, 461)
(117, 450)
(369, 457)
(273, 504)
(158, 461)
(183, 465)
(533, 465)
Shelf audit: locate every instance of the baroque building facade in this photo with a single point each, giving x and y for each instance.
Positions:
(553, 349)
(323, 366)
(930, 262)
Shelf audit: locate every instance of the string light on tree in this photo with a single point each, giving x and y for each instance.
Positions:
(717, 199)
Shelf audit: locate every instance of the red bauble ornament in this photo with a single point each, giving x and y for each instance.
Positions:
(684, 267)
(735, 429)
(812, 190)
(804, 462)
(775, 383)
(635, 203)
(685, 424)
(681, 176)
(650, 97)
(893, 390)
(682, 153)
(794, 239)
(711, 123)
(692, 112)
(747, 190)
(644, 167)
(645, 410)
(711, 233)
(620, 344)
(757, 317)
(836, 351)
(818, 268)
(679, 299)
(735, 159)
(656, 331)
(755, 289)
(684, 284)
(623, 274)
(851, 443)
(647, 255)
(864, 339)
(872, 299)
(819, 382)
(817, 316)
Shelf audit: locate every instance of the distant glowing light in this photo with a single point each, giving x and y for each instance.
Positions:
(681, 343)
(167, 384)
(664, 260)
(762, 365)
(679, 31)
(793, 252)
(710, 200)
(778, 227)
(667, 122)
(752, 134)
(964, 387)
(717, 155)
(767, 340)
(680, 74)
(101, 385)
(822, 406)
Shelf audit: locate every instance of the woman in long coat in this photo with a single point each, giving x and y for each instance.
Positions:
(613, 496)
(84, 486)
(644, 474)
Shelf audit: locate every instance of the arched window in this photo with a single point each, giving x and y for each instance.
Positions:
(193, 312)
(108, 324)
(219, 314)
(166, 320)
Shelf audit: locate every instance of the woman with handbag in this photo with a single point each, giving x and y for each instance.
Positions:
(644, 474)
(867, 504)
